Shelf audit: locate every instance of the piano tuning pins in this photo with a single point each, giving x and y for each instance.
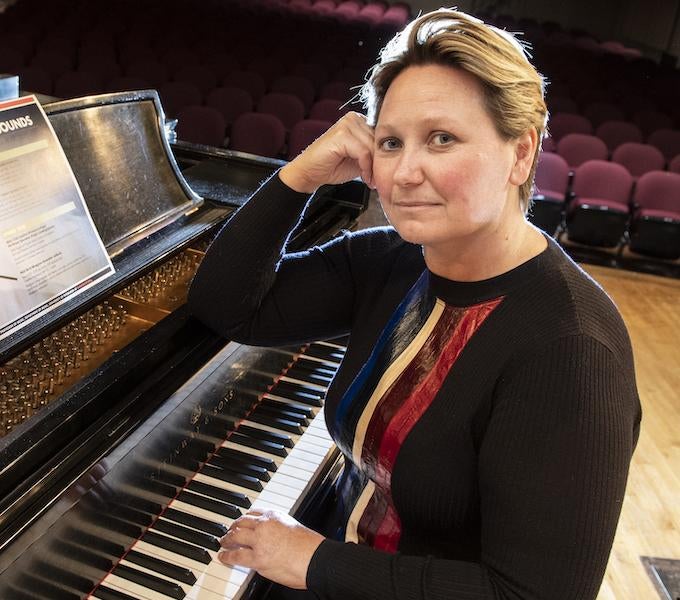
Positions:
(38, 375)
(156, 286)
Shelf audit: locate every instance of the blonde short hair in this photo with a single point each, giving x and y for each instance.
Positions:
(513, 88)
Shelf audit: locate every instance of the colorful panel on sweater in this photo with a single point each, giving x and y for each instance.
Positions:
(399, 381)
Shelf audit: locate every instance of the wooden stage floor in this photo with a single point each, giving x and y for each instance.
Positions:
(650, 519)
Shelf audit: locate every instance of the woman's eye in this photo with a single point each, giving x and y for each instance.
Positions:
(442, 139)
(389, 144)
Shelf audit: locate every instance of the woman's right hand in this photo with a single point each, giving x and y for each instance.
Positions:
(343, 152)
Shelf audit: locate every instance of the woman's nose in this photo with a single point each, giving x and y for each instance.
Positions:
(409, 169)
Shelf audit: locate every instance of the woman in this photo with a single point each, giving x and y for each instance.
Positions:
(486, 407)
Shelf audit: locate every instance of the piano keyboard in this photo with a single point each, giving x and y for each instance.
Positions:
(269, 459)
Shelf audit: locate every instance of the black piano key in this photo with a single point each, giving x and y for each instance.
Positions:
(237, 455)
(85, 557)
(99, 545)
(284, 411)
(263, 434)
(188, 464)
(106, 593)
(294, 392)
(263, 445)
(277, 405)
(151, 508)
(152, 582)
(236, 466)
(178, 516)
(318, 377)
(16, 594)
(63, 578)
(156, 488)
(106, 521)
(218, 507)
(203, 540)
(272, 420)
(160, 566)
(212, 491)
(45, 589)
(326, 352)
(168, 477)
(246, 481)
(133, 515)
(313, 366)
(177, 546)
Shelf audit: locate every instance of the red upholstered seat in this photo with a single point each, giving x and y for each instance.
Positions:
(201, 125)
(655, 227)
(599, 214)
(258, 133)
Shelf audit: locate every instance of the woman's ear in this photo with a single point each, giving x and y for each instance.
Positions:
(525, 148)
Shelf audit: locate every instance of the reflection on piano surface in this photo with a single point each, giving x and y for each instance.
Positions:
(131, 435)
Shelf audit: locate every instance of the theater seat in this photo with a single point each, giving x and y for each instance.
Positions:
(201, 125)
(655, 226)
(599, 213)
(552, 179)
(258, 133)
(304, 133)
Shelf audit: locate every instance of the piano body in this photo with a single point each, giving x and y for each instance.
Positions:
(131, 434)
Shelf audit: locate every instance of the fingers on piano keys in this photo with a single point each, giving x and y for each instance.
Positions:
(268, 461)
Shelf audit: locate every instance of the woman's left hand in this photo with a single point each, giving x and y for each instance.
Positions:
(275, 545)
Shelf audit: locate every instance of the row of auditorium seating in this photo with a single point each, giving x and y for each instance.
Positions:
(576, 148)
(599, 203)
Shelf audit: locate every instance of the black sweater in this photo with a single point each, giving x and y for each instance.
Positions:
(510, 482)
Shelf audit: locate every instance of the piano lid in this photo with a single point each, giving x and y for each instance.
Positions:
(121, 158)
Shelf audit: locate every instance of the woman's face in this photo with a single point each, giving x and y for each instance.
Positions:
(442, 171)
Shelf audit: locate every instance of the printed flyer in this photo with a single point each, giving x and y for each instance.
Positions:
(50, 249)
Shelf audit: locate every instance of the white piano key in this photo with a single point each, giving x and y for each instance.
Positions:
(254, 451)
(132, 588)
(235, 575)
(225, 485)
(291, 478)
(314, 387)
(283, 401)
(213, 588)
(197, 511)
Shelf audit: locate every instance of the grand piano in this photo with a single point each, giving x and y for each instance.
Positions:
(131, 435)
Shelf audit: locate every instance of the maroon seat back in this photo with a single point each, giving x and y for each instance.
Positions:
(659, 190)
(328, 110)
(288, 108)
(562, 124)
(231, 102)
(552, 174)
(576, 148)
(638, 158)
(201, 125)
(666, 140)
(304, 133)
(615, 133)
(298, 86)
(258, 133)
(250, 81)
(601, 179)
